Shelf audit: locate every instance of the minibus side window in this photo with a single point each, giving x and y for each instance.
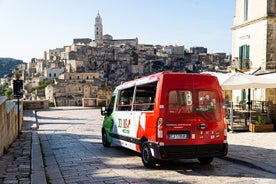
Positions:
(144, 97)
(125, 99)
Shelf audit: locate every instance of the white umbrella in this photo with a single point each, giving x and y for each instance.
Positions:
(244, 81)
(220, 76)
(268, 75)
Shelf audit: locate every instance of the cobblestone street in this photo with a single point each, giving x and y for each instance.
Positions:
(15, 165)
(71, 142)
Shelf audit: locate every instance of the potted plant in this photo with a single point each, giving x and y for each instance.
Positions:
(260, 125)
(273, 119)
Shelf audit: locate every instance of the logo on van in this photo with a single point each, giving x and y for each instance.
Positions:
(124, 124)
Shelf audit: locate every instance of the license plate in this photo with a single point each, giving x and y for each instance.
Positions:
(178, 136)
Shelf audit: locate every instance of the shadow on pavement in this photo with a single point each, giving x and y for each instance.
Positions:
(74, 153)
(90, 154)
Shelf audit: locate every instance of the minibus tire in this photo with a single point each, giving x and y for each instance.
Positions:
(147, 157)
(104, 139)
(205, 160)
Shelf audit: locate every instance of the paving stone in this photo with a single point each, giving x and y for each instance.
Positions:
(15, 164)
(74, 154)
(10, 181)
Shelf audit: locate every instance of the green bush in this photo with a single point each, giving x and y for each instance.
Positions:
(260, 120)
(44, 83)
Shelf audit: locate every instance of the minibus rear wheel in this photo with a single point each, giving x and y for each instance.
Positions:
(147, 158)
(104, 139)
(205, 160)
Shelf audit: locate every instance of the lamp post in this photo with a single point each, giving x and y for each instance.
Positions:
(18, 92)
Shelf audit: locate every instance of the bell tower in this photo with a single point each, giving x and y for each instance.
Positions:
(98, 28)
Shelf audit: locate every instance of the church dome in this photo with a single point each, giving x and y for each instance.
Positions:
(107, 37)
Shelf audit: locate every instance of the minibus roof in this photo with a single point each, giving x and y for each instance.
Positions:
(152, 78)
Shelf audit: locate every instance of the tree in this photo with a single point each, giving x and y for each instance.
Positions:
(45, 83)
(8, 93)
(3, 89)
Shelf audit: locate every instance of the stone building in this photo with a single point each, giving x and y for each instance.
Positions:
(198, 50)
(73, 66)
(79, 41)
(70, 93)
(254, 35)
(71, 88)
(52, 54)
(253, 42)
(36, 67)
(53, 72)
(93, 65)
(79, 76)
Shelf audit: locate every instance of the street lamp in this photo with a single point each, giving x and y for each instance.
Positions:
(18, 92)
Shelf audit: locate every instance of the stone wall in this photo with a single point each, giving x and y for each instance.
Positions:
(35, 104)
(94, 102)
(9, 126)
(271, 47)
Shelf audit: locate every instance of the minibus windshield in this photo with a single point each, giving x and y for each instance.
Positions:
(204, 103)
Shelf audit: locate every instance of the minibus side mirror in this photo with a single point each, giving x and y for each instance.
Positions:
(103, 111)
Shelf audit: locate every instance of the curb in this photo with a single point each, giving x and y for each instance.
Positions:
(38, 173)
(246, 163)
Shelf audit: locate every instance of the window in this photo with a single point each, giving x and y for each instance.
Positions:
(180, 101)
(208, 105)
(207, 100)
(125, 99)
(244, 61)
(245, 10)
(50, 75)
(144, 97)
(196, 103)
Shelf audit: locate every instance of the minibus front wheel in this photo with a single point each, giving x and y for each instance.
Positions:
(205, 160)
(104, 139)
(147, 158)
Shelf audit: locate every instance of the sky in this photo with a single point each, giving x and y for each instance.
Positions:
(30, 27)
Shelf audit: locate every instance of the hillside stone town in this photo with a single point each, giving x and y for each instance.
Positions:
(87, 71)
(39, 144)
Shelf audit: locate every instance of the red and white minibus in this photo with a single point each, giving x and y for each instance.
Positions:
(167, 116)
